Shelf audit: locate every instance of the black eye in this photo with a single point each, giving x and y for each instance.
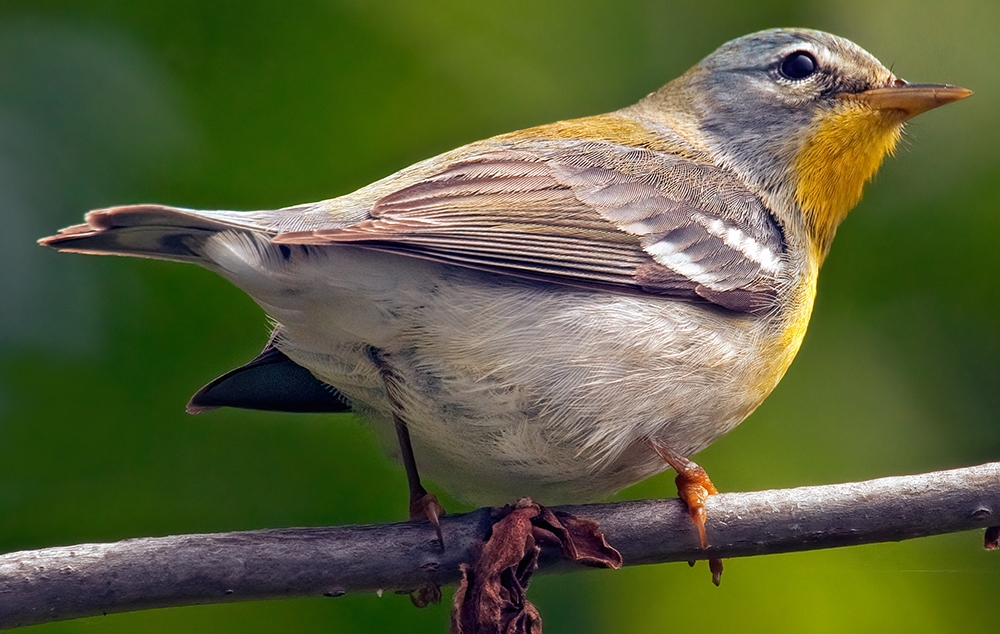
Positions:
(798, 65)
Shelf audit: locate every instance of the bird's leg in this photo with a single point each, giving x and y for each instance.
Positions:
(694, 487)
(422, 504)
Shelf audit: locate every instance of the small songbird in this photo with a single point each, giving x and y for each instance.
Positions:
(566, 310)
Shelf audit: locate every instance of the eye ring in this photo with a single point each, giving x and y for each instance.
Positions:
(798, 65)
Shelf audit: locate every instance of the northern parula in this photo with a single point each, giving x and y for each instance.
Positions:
(562, 311)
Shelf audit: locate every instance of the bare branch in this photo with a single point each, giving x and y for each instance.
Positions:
(90, 579)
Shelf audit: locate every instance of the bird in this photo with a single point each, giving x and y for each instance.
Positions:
(565, 310)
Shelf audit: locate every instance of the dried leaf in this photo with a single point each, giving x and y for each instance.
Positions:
(491, 596)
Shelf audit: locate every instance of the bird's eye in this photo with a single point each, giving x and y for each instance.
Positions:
(798, 65)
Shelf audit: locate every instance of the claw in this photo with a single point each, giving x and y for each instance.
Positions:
(991, 540)
(715, 566)
(427, 507)
(428, 594)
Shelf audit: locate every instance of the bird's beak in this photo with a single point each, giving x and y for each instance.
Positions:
(909, 99)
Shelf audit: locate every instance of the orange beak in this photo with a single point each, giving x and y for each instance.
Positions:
(909, 99)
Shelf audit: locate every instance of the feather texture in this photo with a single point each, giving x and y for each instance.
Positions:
(588, 213)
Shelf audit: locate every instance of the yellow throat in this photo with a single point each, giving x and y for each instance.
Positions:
(844, 150)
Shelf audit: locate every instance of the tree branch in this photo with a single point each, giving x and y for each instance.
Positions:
(90, 579)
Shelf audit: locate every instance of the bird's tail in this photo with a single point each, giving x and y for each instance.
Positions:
(151, 231)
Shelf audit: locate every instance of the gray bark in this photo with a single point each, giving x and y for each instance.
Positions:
(91, 579)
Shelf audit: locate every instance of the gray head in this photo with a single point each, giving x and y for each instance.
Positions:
(756, 95)
(803, 116)
(785, 69)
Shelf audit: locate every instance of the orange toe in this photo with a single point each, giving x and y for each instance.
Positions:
(694, 487)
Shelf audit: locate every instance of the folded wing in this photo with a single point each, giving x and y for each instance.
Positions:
(589, 214)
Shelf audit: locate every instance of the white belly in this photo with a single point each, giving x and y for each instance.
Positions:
(510, 388)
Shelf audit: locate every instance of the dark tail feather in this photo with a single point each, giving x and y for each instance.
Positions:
(271, 382)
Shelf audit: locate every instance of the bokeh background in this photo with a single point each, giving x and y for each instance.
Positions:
(244, 105)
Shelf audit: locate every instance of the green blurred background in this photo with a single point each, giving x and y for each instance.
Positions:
(244, 105)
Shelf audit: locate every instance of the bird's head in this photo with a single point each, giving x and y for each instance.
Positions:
(804, 116)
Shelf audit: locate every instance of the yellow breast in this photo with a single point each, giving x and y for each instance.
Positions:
(844, 149)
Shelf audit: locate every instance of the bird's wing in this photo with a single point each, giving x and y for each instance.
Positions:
(585, 214)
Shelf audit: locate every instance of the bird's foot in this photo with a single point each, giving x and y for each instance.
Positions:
(425, 506)
(694, 487)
